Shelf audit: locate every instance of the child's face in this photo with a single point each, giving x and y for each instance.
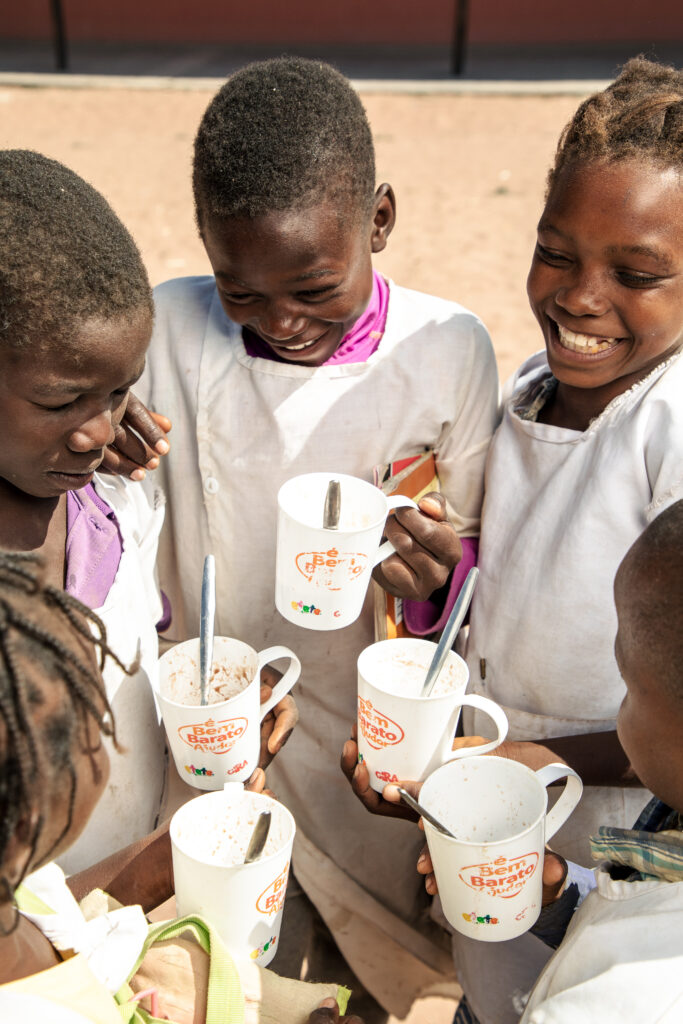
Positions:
(298, 279)
(58, 409)
(650, 719)
(606, 280)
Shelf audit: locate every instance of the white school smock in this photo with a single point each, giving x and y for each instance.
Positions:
(562, 509)
(129, 806)
(620, 961)
(242, 426)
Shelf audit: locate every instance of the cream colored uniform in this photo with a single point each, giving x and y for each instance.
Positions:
(243, 426)
(129, 806)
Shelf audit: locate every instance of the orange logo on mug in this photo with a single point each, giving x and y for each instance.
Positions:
(504, 876)
(330, 569)
(214, 737)
(272, 898)
(377, 729)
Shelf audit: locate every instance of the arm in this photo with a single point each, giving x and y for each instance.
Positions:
(597, 757)
(142, 872)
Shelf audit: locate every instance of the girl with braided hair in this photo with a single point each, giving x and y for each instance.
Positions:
(56, 963)
(589, 451)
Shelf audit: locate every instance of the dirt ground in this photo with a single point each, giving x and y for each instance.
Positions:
(468, 172)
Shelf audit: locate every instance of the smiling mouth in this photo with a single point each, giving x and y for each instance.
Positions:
(588, 344)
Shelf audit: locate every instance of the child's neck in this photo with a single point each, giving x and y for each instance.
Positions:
(575, 408)
(34, 524)
(25, 950)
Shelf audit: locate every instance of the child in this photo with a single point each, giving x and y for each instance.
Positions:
(622, 958)
(293, 358)
(76, 313)
(54, 712)
(589, 451)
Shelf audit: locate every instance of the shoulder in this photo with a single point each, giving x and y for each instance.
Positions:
(184, 292)
(415, 310)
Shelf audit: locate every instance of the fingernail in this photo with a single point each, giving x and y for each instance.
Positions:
(430, 886)
(422, 859)
(137, 474)
(152, 463)
(162, 447)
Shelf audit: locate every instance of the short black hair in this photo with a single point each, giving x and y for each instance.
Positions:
(653, 597)
(281, 134)
(65, 257)
(640, 114)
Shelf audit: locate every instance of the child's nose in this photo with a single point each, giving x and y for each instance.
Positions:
(281, 325)
(95, 434)
(583, 295)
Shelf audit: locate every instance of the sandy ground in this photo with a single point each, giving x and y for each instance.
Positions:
(468, 172)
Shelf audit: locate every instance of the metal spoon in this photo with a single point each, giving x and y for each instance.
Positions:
(206, 622)
(450, 632)
(332, 509)
(258, 837)
(419, 809)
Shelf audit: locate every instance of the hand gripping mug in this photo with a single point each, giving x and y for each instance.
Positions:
(220, 741)
(490, 875)
(401, 735)
(244, 902)
(322, 575)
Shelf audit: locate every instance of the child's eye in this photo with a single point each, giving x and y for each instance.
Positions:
(556, 259)
(635, 280)
(239, 297)
(56, 408)
(313, 294)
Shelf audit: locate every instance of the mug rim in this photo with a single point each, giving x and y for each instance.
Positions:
(334, 476)
(415, 641)
(215, 704)
(488, 842)
(173, 827)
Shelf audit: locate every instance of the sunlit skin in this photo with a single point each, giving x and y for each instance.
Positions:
(59, 408)
(299, 277)
(608, 265)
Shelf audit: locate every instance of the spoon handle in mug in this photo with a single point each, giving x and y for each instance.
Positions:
(206, 624)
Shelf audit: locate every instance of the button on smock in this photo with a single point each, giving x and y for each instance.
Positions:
(211, 485)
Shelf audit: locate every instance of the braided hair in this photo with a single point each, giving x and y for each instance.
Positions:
(639, 115)
(28, 610)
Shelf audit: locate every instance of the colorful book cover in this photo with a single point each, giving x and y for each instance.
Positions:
(414, 476)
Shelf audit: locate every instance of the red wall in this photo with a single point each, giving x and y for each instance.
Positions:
(422, 22)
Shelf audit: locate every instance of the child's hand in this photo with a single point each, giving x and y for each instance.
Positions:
(328, 1013)
(139, 440)
(427, 550)
(277, 726)
(554, 873)
(376, 803)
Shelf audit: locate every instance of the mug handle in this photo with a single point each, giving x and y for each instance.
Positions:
(495, 712)
(284, 685)
(393, 501)
(571, 795)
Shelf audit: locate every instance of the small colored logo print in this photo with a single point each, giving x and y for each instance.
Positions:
(271, 899)
(197, 771)
(213, 737)
(378, 730)
(255, 953)
(236, 768)
(473, 919)
(330, 569)
(386, 777)
(504, 876)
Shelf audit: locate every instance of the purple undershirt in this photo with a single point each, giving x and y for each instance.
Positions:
(356, 347)
(94, 546)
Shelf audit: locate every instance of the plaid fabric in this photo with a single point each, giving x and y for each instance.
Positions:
(532, 400)
(652, 849)
(464, 1015)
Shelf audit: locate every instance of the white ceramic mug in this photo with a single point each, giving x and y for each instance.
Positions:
(244, 902)
(220, 741)
(322, 575)
(490, 876)
(401, 735)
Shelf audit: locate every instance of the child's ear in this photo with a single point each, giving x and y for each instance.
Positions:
(383, 216)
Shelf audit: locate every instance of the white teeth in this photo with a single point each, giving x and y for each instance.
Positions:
(584, 342)
(297, 348)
